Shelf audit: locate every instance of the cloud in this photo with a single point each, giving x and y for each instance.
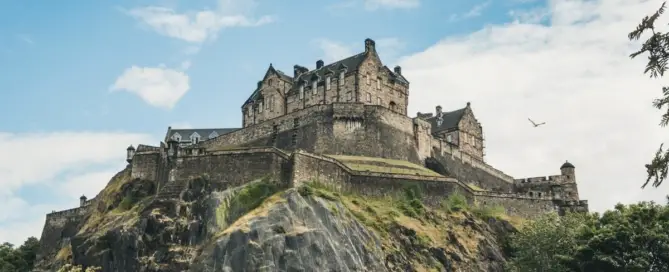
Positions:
(197, 27)
(473, 12)
(387, 48)
(159, 87)
(63, 164)
(574, 74)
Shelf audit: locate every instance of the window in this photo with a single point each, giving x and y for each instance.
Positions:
(368, 79)
(349, 96)
(327, 83)
(176, 137)
(271, 103)
(449, 138)
(195, 138)
(213, 134)
(369, 97)
(378, 83)
(269, 82)
(314, 86)
(341, 78)
(260, 107)
(439, 121)
(378, 101)
(301, 91)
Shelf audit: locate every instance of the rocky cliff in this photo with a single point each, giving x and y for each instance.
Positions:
(264, 226)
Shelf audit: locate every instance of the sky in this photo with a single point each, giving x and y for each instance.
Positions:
(82, 80)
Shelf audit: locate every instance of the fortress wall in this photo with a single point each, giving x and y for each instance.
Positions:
(310, 167)
(260, 134)
(467, 172)
(145, 165)
(526, 207)
(232, 168)
(59, 227)
(373, 131)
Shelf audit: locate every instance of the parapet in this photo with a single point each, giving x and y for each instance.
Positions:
(544, 179)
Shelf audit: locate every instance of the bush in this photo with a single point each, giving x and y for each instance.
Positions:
(455, 202)
(411, 204)
(126, 203)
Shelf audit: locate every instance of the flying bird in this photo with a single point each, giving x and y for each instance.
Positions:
(535, 124)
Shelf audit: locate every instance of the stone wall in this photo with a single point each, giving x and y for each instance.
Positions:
(514, 204)
(232, 168)
(467, 170)
(59, 227)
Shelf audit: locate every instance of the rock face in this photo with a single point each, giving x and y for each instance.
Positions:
(264, 227)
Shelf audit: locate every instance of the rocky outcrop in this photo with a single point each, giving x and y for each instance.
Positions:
(262, 226)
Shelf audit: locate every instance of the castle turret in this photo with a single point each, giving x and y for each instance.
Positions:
(82, 200)
(398, 70)
(319, 64)
(130, 153)
(567, 169)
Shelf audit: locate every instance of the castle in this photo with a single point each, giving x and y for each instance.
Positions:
(344, 124)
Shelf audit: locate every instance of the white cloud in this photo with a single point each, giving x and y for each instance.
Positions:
(473, 12)
(575, 74)
(197, 27)
(159, 87)
(391, 4)
(66, 163)
(387, 48)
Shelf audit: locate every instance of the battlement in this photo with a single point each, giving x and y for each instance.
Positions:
(451, 150)
(552, 178)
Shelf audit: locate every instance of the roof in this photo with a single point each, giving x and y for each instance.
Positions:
(203, 132)
(449, 120)
(350, 64)
(567, 164)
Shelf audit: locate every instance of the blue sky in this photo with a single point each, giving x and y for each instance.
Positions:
(81, 80)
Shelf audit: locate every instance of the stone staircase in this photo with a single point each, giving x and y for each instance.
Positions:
(172, 189)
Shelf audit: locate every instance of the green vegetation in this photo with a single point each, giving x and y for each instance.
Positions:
(18, 259)
(657, 47)
(381, 165)
(628, 238)
(126, 203)
(245, 200)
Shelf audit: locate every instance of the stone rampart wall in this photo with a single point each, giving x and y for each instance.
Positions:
(232, 167)
(311, 167)
(447, 149)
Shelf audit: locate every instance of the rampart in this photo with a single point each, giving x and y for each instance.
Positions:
(339, 128)
(311, 167)
(235, 167)
(543, 179)
(59, 227)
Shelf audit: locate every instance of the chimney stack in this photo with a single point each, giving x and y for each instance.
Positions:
(398, 70)
(319, 64)
(438, 111)
(370, 45)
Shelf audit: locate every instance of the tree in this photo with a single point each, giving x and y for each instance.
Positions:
(657, 47)
(542, 244)
(627, 239)
(19, 259)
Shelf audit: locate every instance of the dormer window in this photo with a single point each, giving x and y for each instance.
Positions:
(213, 135)
(327, 83)
(176, 137)
(439, 121)
(301, 91)
(314, 86)
(341, 78)
(195, 138)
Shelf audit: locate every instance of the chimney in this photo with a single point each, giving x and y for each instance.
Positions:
(319, 64)
(438, 111)
(298, 71)
(369, 45)
(398, 70)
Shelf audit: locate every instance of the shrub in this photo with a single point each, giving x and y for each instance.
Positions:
(455, 202)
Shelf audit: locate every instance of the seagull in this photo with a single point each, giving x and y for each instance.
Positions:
(535, 124)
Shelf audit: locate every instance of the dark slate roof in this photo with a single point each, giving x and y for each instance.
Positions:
(450, 120)
(203, 132)
(395, 76)
(567, 164)
(350, 64)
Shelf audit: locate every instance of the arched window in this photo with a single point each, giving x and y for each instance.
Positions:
(392, 106)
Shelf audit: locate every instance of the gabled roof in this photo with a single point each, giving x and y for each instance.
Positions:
(395, 76)
(449, 120)
(203, 132)
(270, 70)
(351, 63)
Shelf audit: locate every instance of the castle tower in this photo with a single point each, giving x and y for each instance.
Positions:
(82, 200)
(567, 169)
(570, 187)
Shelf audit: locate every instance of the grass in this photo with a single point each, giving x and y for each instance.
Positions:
(475, 187)
(246, 199)
(382, 165)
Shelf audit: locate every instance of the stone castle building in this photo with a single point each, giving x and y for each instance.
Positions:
(298, 128)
